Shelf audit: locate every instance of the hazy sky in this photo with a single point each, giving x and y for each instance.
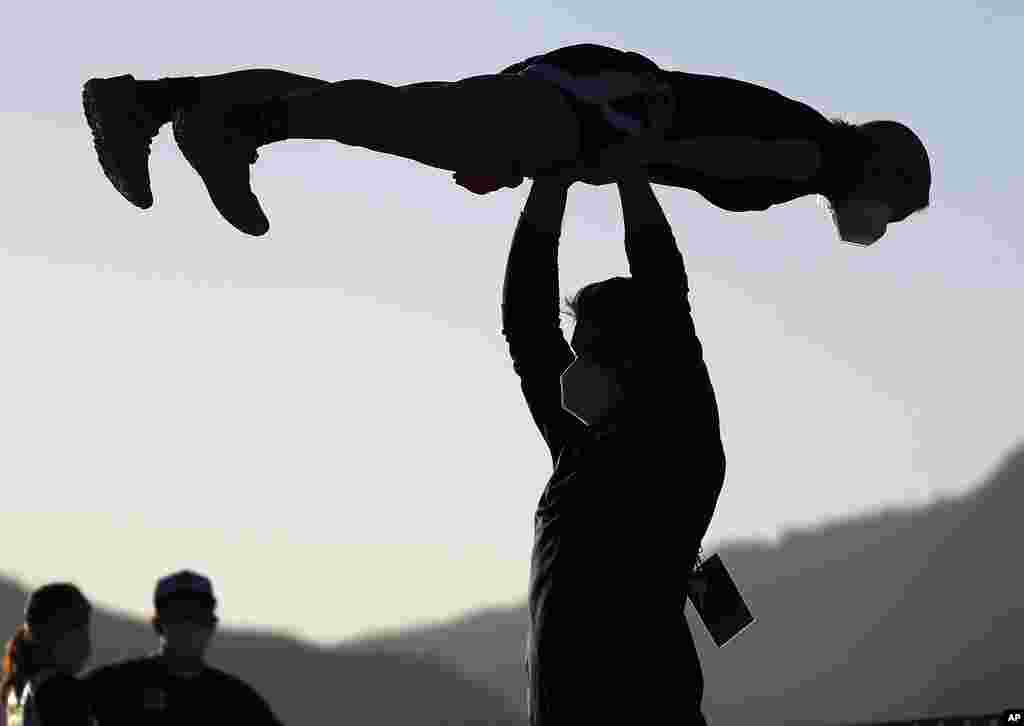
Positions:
(325, 419)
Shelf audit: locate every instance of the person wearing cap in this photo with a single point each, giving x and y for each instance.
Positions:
(176, 684)
(39, 685)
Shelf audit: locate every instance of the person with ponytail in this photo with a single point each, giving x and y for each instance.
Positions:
(41, 660)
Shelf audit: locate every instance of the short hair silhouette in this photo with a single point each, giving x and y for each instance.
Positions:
(898, 153)
(626, 340)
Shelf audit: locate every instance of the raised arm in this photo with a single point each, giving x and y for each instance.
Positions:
(530, 311)
(654, 258)
(657, 264)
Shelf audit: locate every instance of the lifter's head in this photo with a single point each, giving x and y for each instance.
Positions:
(616, 351)
(887, 179)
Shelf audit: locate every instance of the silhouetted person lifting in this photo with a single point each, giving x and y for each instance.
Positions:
(629, 416)
(743, 147)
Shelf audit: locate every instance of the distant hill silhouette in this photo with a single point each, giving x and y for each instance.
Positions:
(891, 616)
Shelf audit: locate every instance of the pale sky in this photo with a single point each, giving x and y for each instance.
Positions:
(325, 419)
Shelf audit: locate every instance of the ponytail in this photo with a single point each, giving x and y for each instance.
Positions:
(19, 663)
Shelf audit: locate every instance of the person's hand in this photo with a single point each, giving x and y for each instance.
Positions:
(613, 164)
(625, 160)
(597, 178)
(573, 172)
(589, 174)
(596, 175)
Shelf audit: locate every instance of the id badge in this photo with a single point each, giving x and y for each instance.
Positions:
(718, 601)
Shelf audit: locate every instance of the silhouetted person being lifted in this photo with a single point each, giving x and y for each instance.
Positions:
(630, 419)
(741, 146)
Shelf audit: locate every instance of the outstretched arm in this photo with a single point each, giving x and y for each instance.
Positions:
(654, 258)
(656, 263)
(530, 311)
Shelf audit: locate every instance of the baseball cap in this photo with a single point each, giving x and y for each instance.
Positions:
(184, 584)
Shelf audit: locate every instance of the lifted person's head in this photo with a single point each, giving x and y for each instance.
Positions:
(884, 177)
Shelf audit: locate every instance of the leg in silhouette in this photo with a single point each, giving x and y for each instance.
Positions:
(124, 115)
(497, 126)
